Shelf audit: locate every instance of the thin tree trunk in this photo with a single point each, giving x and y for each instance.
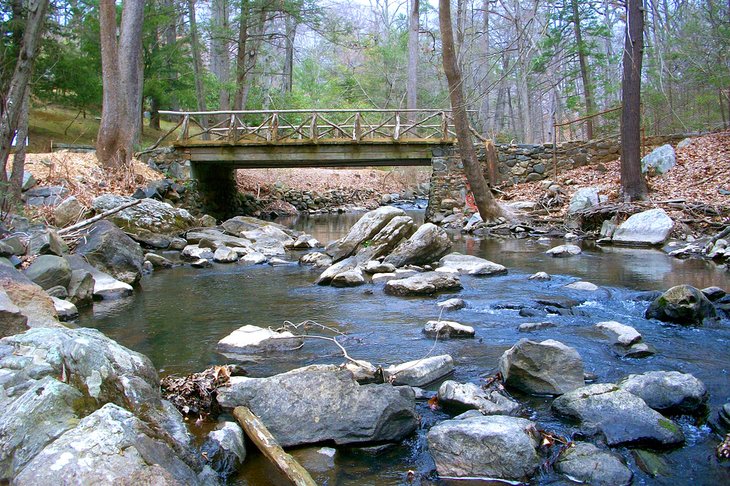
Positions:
(487, 206)
(632, 181)
(250, 38)
(154, 113)
(412, 78)
(290, 33)
(13, 103)
(584, 74)
(197, 68)
(219, 62)
(485, 109)
(16, 176)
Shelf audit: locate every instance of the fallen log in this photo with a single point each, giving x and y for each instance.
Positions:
(267, 444)
(96, 218)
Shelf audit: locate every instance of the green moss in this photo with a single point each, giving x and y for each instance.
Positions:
(669, 425)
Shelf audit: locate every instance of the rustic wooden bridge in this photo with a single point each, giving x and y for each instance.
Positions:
(310, 138)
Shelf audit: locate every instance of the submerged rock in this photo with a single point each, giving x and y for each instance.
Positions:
(471, 265)
(667, 391)
(225, 448)
(419, 372)
(324, 403)
(682, 304)
(447, 330)
(540, 276)
(548, 367)
(452, 304)
(584, 286)
(427, 283)
(587, 463)
(564, 251)
(461, 396)
(496, 446)
(620, 333)
(251, 340)
(621, 417)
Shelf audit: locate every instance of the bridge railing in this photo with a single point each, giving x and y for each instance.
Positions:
(314, 126)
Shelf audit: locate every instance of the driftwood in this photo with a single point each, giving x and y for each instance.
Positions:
(96, 218)
(267, 444)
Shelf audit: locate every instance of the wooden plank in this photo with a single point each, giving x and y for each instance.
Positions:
(267, 444)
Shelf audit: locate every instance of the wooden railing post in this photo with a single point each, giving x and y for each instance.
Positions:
(357, 130)
(232, 128)
(444, 127)
(184, 132)
(396, 130)
(274, 128)
(313, 132)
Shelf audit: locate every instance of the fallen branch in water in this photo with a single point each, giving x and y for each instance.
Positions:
(269, 447)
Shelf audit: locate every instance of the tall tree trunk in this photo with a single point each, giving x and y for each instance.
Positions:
(16, 175)
(488, 207)
(412, 78)
(485, 108)
(250, 37)
(220, 64)
(632, 181)
(154, 113)
(290, 30)
(121, 66)
(584, 74)
(13, 102)
(197, 67)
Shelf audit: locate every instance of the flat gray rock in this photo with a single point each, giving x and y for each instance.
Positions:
(621, 417)
(650, 227)
(495, 446)
(545, 368)
(564, 251)
(471, 265)
(420, 372)
(252, 340)
(587, 463)
(667, 391)
(619, 333)
(461, 396)
(447, 330)
(324, 403)
(427, 283)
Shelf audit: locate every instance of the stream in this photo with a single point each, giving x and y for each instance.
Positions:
(178, 316)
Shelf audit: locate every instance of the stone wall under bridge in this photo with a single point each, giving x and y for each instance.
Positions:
(516, 163)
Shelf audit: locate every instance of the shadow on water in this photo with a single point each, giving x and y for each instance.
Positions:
(180, 314)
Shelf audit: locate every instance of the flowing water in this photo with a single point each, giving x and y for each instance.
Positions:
(178, 316)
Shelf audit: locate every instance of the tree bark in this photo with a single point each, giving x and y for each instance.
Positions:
(290, 33)
(121, 66)
(487, 206)
(14, 102)
(584, 74)
(412, 78)
(219, 62)
(249, 42)
(197, 67)
(633, 184)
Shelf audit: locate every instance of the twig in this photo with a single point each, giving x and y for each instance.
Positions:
(98, 217)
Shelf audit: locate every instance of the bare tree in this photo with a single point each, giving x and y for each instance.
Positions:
(633, 184)
(412, 79)
(121, 67)
(15, 103)
(488, 207)
(584, 74)
(220, 64)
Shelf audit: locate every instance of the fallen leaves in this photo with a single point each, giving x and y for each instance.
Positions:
(194, 395)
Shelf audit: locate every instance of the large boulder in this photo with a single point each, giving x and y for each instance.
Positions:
(109, 446)
(659, 160)
(667, 391)
(12, 319)
(69, 211)
(588, 464)
(105, 287)
(34, 303)
(464, 396)
(546, 368)
(584, 198)
(650, 227)
(621, 417)
(426, 245)
(682, 304)
(365, 228)
(324, 403)
(49, 271)
(150, 214)
(495, 446)
(397, 229)
(225, 448)
(110, 250)
(471, 265)
(45, 241)
(427, 283)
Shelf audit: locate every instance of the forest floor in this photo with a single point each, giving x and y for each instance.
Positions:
(695, 192)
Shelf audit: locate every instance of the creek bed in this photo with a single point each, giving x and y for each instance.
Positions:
(180, 314)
